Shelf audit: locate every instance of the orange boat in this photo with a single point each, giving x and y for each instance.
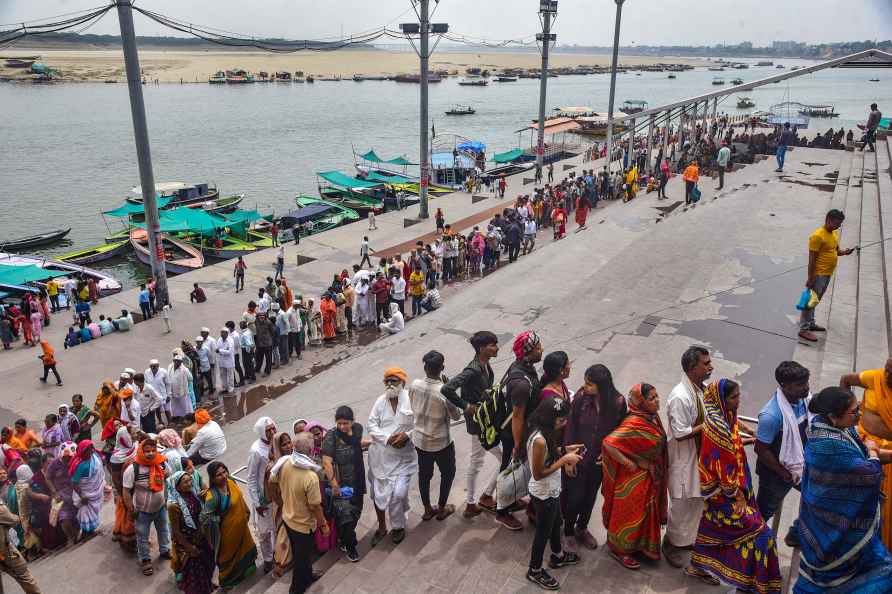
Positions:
(179, 256)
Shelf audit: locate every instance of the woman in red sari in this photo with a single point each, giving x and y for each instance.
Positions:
(581, 211)
(329, 310)
(635, 486)
(559, 220)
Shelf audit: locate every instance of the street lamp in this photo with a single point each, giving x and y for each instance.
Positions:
(619, 13)
(548, 10)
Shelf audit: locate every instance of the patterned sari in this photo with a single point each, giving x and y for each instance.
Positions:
(225, 517)
(737, 548)
(839, 518)
(636, 502)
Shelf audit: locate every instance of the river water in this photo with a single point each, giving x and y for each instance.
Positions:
(70, 153)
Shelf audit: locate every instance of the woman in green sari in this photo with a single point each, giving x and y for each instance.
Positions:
(224, 517)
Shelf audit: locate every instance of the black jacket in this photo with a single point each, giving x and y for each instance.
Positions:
(473, 381)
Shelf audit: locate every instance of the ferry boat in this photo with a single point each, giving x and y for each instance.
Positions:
(219, 78)
(180, 194)
(239, 77)
(718, 80)
(737, 81)
(745, 103)
(634, 106)
(461, 110)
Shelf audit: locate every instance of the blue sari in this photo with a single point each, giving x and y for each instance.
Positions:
(839, 517)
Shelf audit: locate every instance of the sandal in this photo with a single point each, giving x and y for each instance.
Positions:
(378, 537)
(147, 568)
(704, 577)
(445, 511)
(626, 561)
(543, 579)
(428, 515)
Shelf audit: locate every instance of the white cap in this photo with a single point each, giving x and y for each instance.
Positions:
(206, 329)
(130, 371)
(153, 362)
(199, 339)
(224, 329)
(125, 375)
(177, 358)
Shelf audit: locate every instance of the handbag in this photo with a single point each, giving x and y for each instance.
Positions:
(513, 483)
(695, 194)
(55, 508)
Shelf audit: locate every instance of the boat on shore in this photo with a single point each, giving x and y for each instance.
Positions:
(299, 77)
(220, 205)
(108, 285)
(97, 253)
(745, 103)
(219, 78)
(239, 77)
(38, 240)
(179, 256)
(506, 78)
(415, 78)
(180, 194)
(458, 110)
(283, 76)
(313, 215)
(818, 111)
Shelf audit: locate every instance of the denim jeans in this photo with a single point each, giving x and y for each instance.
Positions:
(144, 521)
(781, 154)
(416, 306)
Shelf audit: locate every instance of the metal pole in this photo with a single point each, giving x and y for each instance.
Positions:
(667, 127)
(424, 158)
(619, 14)
(650, 144)
(543, 84)
(143, 153)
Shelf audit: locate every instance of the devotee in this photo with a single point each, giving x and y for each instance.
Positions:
(690, 176)
(547, 458)
(48, 357)
(225, 507)
(842, 549)
(258, 457)
(392, 460)
(192, 558)
(145, 498)
(226, 360)
(298, 484)
(209, 443)
(197, 295)
(396, 323)
(823, 251)
(780, 436)
(473, 382)
(281, 447)
(86, 418)
(60, 481)
(87, 477)
(344, 467)
(150, 402)
(876, 425)
(156, 376)
(431, 437)
(635, 481)
(179, 378)
(686, 415)
(731, 528)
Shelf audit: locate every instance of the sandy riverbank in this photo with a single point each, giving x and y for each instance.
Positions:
(197, 66)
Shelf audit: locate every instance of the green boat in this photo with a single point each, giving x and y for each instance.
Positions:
(98, 253)
(315, 215)
(359, 195)
(229, 246)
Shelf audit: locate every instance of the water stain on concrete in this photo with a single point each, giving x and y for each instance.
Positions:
(824, 187)
(533, 314)
(757, 328)
(810, 164)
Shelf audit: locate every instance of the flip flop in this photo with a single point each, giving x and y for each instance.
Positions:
(428, 515)
(626, 561)
(445, 511)
(378, 537)
(706, 578)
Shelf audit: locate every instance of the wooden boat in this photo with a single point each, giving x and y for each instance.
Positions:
(745, 103)
(718, 80)
(40, 239)
(818, 111)
(506, 78)
(736, 81)
(461, 110)
(179, 256)
(219, 78)
(282, 76)
(108, 284)
(311, 79)
(672, 76)
(228, 247)
(20, 62)
(299, 76)
(239, 77)
(182, 194)
(874, 80)
(323, 215)
(260, 239)
(330, 78)
(634, 106)
(220, 205)
(768, 63)
(416, 78)
(474, 82)
(98, 253)
(355, 201)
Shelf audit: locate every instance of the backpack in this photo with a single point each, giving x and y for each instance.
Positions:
(494, 413)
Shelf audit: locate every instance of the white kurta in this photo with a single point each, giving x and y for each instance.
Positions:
(685, 402)
(390, 468)
(180, 403)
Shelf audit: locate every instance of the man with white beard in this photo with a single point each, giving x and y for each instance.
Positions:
(392, 459)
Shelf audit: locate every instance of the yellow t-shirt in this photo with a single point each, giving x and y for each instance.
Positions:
(300, 489)
(877, 395)
(825, 244)
(52, 289)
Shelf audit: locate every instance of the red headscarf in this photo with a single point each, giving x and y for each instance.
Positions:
(525, 342)
(80, 456)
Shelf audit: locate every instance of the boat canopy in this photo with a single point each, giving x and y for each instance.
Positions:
(373, 157)
(11, 274)
(243, 216)
(345, 181)
(554, 125)
(474, 146)
(127, 209)
(508, 157)
(387, 179)
(188, 219)
(301, 215)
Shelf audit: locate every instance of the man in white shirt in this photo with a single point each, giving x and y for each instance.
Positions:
(178, 379)
(203, 385)
(70, 289)
(209, 443)
(156, 377)
(226, 360)
(149, 402)
(398, 291)
(131, 411)
(529, 235)
(237, 343)
(263, 301)
(211, 344)
(262, 516)
(294, 328)
(392, 459)
(686, 414)
(246, 337)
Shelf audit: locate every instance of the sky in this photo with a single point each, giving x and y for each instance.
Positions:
(581, 22)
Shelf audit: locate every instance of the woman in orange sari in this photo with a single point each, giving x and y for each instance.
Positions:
(635, 486)
(108, 405)
(329, 310)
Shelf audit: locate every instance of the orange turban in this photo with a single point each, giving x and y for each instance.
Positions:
(202, 417)
(396, 372)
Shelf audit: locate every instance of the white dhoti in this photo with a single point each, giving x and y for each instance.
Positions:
(265, 531)
(684, 520)
(392, 495)
(227, 376)
(180, 406)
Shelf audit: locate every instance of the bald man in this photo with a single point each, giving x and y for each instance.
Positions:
(876, 425)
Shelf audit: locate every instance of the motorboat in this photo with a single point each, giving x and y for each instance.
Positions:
(179, 256)
(180, 193)
(473, 82)
(219, 78)
(108, 285)
(631, 106)
(41, 239)
(736, 81)
(718, 80)
(461, 110)
(745, 103)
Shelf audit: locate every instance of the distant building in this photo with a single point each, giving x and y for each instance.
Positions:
(787, 46)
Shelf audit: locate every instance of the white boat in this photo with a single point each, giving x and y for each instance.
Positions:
(108, 284)
(179, 256)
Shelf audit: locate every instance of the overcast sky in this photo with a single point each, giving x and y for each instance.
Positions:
(583, 22)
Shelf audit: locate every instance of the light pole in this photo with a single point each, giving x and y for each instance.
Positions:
(143, 152)
(547, 9)
(423, 29)
(619, 14)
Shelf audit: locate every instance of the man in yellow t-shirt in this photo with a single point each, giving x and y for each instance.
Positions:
(301, 509)
(823, 250)
(52, 291)
(876, 425)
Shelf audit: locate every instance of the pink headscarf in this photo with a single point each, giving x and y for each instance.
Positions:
(525, 342)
